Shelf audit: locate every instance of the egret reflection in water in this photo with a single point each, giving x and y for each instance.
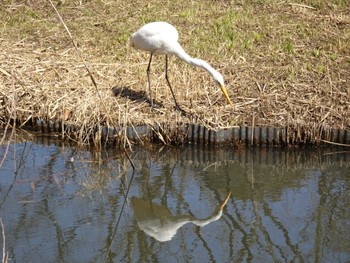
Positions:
(158, 221)
(63, 204)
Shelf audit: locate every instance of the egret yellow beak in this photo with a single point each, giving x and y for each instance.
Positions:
(225, 201)
(226, 94)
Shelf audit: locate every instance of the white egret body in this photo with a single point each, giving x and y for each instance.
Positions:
(162, 38)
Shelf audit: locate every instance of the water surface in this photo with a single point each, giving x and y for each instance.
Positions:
(59, 203)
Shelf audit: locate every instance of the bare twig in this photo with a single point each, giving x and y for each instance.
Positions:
(335, 143)
(131, 162)
(75, 45)
(85, 65)
(120, 215)
(12, 117)
(5, 256)
(303, 6)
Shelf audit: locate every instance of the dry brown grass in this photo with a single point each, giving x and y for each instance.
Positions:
(286, 63)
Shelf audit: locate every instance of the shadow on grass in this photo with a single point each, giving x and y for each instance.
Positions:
(137, 96)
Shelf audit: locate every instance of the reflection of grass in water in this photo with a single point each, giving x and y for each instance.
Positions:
(292, 58)
(101, 175)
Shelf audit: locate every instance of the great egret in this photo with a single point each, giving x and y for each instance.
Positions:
(162, 38)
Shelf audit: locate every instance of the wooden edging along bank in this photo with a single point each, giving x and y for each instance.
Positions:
(198, 134)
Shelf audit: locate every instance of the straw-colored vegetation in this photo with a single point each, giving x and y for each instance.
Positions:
(285, 63)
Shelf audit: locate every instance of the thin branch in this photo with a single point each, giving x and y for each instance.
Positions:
(82, 59)
(13, 116)
(335, 143)
(130, 161)
(119, 218)
(303, 6)
(75, 46)
(5, 256)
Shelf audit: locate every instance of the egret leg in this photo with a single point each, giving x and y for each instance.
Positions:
(167, 79)
(149, 81)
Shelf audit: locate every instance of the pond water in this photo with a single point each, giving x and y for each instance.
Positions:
(59, 203)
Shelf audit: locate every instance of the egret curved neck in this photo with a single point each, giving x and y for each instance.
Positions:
(181, 53)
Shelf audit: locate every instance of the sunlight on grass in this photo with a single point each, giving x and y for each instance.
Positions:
(271, 54)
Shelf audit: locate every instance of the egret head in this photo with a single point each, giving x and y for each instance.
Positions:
(220, 80)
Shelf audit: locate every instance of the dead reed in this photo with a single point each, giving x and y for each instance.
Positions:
(5, 256)
(286, 64)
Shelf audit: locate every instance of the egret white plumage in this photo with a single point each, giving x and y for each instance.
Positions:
(161, 38)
